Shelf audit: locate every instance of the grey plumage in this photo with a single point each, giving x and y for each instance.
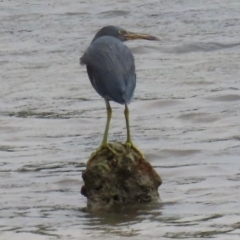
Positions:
(111, 69)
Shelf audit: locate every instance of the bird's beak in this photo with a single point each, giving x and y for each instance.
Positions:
(133, 36)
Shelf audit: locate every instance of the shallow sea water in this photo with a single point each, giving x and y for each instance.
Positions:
(184, 117)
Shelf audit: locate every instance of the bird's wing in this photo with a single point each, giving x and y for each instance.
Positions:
(111, 69)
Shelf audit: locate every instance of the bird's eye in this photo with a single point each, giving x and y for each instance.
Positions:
(120, 32)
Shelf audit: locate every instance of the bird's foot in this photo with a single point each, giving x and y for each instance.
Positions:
(129, 144)
(100, 148)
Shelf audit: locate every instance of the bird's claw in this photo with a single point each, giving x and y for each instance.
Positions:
(99, 149)
(111, 150)
(131, 145)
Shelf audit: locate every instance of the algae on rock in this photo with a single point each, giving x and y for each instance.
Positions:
(124, 178)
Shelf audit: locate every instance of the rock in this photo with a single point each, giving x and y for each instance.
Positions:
(112, 180)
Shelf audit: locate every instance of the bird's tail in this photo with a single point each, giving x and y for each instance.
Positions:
(81, 61)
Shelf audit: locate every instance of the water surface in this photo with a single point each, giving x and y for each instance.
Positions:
(184, 117)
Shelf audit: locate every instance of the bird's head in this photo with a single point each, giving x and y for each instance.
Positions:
(122, 34)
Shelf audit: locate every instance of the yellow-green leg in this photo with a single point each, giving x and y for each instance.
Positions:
(129, 142)
(109, 116)
(104, 143)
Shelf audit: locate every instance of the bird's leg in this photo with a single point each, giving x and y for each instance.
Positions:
(109, 116)
(104, 143)
(129, 142)
(105, 136)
